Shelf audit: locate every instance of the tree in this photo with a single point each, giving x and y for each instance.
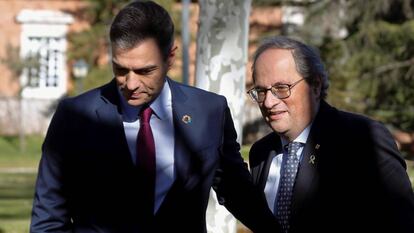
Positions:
(92, 44)
(372, 65)
(18, 65)
(221, 68)
(222, 52)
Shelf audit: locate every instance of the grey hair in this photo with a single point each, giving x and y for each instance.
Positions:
(308, 62)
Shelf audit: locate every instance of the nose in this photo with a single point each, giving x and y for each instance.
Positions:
(270, 100)
(133, 81)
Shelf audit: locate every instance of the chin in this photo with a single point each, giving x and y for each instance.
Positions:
(278, 128)
(136, 102)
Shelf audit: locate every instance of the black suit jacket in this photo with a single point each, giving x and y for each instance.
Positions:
(351, 178)
(87, 181)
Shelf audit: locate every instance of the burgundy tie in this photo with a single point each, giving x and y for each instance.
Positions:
(146, 159)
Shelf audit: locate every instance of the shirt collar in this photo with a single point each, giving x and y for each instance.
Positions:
(159, 106)
(162, 103)
(302, 138)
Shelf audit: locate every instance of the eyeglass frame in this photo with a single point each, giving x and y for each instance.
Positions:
(265, 90)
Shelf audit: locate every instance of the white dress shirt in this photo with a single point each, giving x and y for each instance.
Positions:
(163, 131)
(272, 183)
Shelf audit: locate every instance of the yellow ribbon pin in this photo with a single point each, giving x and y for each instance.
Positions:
(312, 159)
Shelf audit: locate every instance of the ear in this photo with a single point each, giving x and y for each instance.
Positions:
(317, 87)
(171, 56)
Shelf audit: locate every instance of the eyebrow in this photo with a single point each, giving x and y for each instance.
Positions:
(147, 68)
(274, 84)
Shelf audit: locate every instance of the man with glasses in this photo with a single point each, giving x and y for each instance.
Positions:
(322, 169)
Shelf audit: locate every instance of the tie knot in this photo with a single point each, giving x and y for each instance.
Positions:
(293, 148)
(145, 115)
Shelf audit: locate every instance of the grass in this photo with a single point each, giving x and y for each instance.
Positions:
(245, 152)
(12, 156)
(17, 178)
(410, 170)
(18, 174)
(16, 201)
(16, 195)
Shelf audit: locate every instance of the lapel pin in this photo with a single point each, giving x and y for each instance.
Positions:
(186, 119)
(312, 159)
(317, 146)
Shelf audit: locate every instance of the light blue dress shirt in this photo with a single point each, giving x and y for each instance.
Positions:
(163, 131)
(272, 183)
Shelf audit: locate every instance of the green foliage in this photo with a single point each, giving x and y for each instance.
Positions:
(167, 4)
(102, 11)
(13, 60)
(281, 2)
(97, 77)
(90, 43)
(372, 68)
(266, 2)
(382, 56)
(18, 64)
(93, 43)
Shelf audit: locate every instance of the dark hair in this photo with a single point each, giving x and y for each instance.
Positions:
(308, 62)
(141, 20)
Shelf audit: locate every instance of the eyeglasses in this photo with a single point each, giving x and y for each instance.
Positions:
(281, 91)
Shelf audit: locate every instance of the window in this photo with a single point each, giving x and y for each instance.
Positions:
(43, 39)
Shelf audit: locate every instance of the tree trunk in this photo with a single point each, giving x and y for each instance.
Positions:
(222, 52)
(22, 136)
(221, 68)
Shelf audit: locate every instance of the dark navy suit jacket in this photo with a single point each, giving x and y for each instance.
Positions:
(87, 181)
(351, 177)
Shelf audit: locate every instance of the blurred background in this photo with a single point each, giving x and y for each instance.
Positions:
(51, 49)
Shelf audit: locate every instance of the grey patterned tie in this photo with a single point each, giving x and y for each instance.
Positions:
(287, 180)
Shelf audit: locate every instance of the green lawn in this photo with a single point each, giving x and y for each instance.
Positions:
(17, 177)
(18, 174)
(245, 152)
(12, 156)
(16, 194)
(410, 171)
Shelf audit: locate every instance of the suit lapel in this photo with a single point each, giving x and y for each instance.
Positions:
(184, 129)
(273, 151)
(307, 177)
(308, 174)
(266, 167)
(108, 113)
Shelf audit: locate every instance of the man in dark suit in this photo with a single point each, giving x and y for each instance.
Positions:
(322, 169)
(140, 153)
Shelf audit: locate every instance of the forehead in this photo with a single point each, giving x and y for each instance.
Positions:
(141, 54)
(275, 66)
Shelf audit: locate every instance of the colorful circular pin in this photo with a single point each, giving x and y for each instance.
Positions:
(186, 119)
